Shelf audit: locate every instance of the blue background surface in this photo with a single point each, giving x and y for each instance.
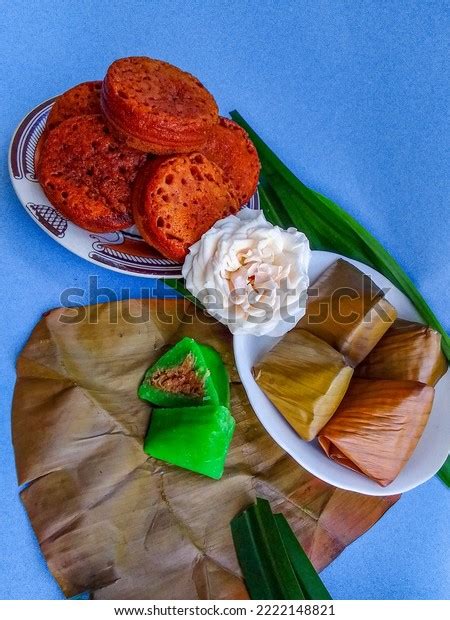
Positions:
(352, 95)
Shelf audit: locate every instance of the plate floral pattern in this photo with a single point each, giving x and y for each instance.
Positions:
(123, 251)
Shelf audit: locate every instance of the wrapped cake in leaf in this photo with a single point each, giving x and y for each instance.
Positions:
(188, 374)
(408, 350)
(305, 378)
(377, 426)
(348, 310)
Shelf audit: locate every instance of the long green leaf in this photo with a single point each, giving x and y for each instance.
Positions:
(444, 472)
(271, 205)
(257, 581)
(178, 285)
(330, 228)
(310, 581)
(266, 567)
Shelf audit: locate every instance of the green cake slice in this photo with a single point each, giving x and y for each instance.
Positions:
(188, 374)
(219, 373)
(195, 438)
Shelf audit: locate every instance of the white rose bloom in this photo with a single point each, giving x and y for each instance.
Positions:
(249, 274)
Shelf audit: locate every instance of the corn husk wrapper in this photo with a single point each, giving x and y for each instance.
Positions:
(111, 520)
(377, 426)
(348, 310)
(305, 379)
(409, 351)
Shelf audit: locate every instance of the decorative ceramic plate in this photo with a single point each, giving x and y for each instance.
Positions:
(432, 449)
(123, 251)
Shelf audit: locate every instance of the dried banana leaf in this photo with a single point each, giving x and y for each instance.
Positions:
(111, 520)
(377, 426)
(408, 350)
(306, 379)
(348, 310)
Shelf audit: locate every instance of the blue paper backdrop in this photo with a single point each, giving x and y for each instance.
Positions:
(353, 95)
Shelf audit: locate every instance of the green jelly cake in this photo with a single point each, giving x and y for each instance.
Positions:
(188, 374)
(194, 438)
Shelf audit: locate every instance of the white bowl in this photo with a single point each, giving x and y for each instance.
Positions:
(432, 449)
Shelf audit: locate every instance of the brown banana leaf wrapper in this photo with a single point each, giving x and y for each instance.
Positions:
(119, 524)
(408, 350)
(377, 426)
(305, 379)
(348, 310)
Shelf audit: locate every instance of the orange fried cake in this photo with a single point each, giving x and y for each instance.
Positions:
(77, 101)
(156, 107)
(87, 173)
(229, 147)
(176, 199)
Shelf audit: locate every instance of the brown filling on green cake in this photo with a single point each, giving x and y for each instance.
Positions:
(181, 379)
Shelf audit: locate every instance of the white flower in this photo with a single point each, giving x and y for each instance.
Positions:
(249, 274)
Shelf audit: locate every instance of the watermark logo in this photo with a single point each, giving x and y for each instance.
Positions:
(344, 306)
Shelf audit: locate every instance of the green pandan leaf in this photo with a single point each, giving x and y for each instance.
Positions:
(444, 472)
(273, 563)
(178, 285)
(265, 563)
(310, 582)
